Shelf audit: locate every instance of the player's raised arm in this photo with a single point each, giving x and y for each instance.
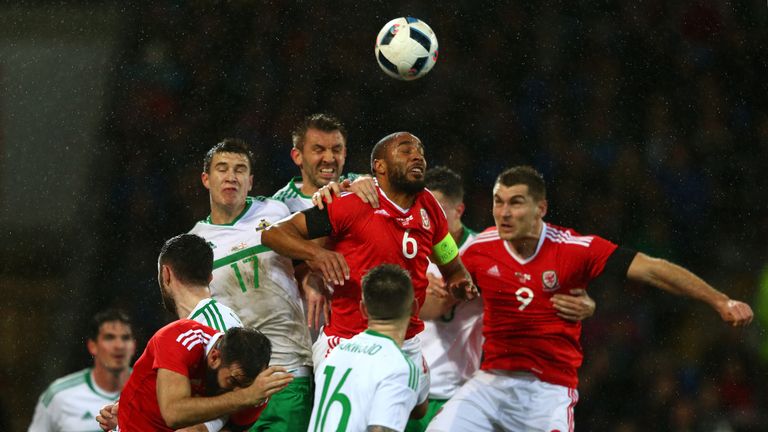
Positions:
(677, 280)
(291, 237)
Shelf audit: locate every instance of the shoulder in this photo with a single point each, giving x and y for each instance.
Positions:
(65, 383)
(567, 236)
(266, 208)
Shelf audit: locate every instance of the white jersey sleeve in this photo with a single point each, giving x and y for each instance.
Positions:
(215, 315)
(41, 421)
(291, 196)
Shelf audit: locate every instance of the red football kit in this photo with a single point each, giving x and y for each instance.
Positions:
(522, 331)
(368, 237)
(180, 346)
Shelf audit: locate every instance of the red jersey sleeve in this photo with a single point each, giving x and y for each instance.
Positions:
(178, 348)
(344, 211)
(437, 215)
(589, 261)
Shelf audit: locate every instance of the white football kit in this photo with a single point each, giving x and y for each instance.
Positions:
(258, 283)
(452, 344)
(71, 404)
(215, 315)
(365, 381)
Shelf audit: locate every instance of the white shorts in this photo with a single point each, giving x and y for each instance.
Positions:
(507, 401)
(411, 347)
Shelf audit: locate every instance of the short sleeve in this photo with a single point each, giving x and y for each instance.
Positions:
(41, 421)
(393, 401)
(345, 210)
(179, 347)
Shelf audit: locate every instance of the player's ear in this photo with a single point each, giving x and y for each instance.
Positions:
(92, 347)
(379, 166)
(542, 205)
(214, 358)
(165, 273)
(296, 156)
(205, 178)
(363, 310)
(460, 207)
(250, 182)
(415, 307)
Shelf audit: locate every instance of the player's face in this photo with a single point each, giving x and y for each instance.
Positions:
(322, 158)
(224, 379)
(516, 213)
(114, 347)
(229, 180)
(406, 164)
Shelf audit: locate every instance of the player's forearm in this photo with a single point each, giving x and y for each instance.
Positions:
(434, 307)
(191, 411)
(287, 240)
(675, 279)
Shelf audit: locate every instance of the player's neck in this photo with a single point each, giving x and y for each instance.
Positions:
(110, 381)
(187, 298)
(403, 199)
(394, 329)
(222, 215)
(526, 246)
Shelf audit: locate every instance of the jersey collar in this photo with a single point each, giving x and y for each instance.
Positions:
(248, 203)
(517, 257)
(295, 185)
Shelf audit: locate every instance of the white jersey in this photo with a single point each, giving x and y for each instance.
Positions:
(258, 283)
(365, 381)
(452, 344)
(291, 196)
(215, 315)
(71, 404)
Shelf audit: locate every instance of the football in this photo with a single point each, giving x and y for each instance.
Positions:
(406, 48)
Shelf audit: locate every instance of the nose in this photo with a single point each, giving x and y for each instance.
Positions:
(328, 156)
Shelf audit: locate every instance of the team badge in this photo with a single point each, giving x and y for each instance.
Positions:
(263, 224)
(549, 278)
(424, 219)
(238, 247)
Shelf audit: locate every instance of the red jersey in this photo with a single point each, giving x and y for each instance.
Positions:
(180, 346)
(521, 329)
(368, 237)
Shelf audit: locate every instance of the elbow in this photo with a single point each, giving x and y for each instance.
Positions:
(172, 419)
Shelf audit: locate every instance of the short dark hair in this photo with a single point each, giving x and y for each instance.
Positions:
(190, 257)
(247, 347)
(387, 292)
(229, 145)
(321, 122)
(526, 175)
(105, 316)
(446, 181)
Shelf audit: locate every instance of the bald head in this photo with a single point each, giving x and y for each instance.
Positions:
(381, 148)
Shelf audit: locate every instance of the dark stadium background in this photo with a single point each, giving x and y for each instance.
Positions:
(649, 120)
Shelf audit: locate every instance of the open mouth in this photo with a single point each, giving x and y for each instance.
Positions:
(418, 170)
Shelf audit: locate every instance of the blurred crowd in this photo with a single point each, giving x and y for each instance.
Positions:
(648, 119)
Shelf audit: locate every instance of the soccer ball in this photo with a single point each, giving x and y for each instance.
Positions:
(406, 48)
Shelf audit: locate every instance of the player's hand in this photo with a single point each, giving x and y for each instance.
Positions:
(331, 265)
(270, 381)
(436, 286)
(575, 307)
(327, 192)
(736, 313)
(317, 300)
(107, 417)
(463, 289)
(365, 188)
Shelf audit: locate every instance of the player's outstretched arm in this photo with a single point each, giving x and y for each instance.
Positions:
(574, 307)
(180, 409)
(290, 237)
(677, 280)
